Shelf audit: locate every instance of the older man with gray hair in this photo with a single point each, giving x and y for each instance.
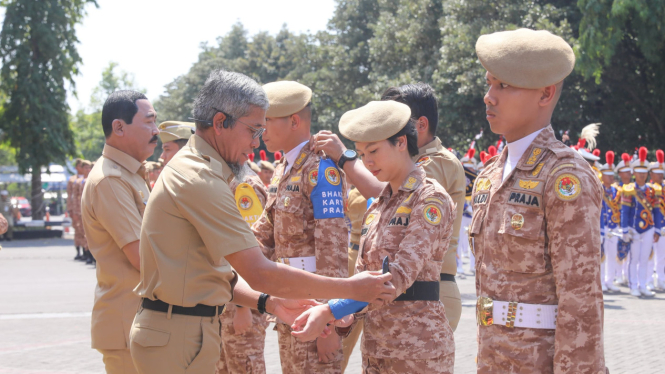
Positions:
(193, 235)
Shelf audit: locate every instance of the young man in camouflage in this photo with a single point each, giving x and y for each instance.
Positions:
(303, 223)
(535, 226)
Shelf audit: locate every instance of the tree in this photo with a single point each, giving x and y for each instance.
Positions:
(87, 124)
(39, 56)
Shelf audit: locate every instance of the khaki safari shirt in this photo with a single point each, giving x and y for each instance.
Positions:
(413, 228)
(440, 164)
(537, 241)
(112, 208)
(191, 223)
(357, 207)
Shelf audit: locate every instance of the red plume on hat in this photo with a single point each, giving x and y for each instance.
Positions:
(251, 157)
(626, 158)
(491, 151)
(596, 152)
(471, 153)
(642, 154)
(483, 156)
(262, 153)
(609, 157)
(278, 156)
(660, 156)
(581, 143)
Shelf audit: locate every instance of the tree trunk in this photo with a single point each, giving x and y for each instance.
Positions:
(37, 201)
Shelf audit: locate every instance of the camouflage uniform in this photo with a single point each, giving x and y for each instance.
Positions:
(244, 353)
(537, 241)
(441, 165)
(288, 229)
(413, 228)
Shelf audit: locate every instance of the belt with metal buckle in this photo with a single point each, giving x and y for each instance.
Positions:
(199, 310)
(513, 314)
(302, 263)
(355, 246)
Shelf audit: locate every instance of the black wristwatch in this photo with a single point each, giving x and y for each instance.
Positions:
(348, 155)
(261, 305)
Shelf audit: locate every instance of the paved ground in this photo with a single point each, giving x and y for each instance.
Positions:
(46, 298)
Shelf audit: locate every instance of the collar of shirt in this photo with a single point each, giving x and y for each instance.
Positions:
(207, 152)
(292, 155)
(121, 158)
(412, 181)
(516, 150)
(430, 147)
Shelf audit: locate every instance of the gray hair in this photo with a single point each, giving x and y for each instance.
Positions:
(233, 93)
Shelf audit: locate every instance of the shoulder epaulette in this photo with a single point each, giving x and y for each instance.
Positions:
(628, 189)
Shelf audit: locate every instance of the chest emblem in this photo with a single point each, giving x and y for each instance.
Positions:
(534, 156)
(369, 219)
(403, 210)
(528, 185)
(567, 187)
(410, 183)
(517, 221)
(332, 175)
(537, 170)
(245, 202)
(483, 184)
(423, 161)
(287, 201)
(432, 214)
(313, 177)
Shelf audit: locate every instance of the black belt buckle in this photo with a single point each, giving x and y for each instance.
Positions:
(199, 310)
(355, 247)
(447, 278)
(421, 290)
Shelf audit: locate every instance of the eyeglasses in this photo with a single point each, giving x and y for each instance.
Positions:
(256, 133)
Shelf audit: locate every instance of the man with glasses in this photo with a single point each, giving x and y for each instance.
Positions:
(195, 243)
(303, 223)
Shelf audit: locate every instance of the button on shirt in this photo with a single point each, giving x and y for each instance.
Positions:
(112, 206)
(190, 225)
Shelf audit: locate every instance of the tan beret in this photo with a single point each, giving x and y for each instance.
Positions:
(378, 120)
(174, 130)
(86, 163)
(286, 98)
(254, 167)
(266, 165)
(526, 58)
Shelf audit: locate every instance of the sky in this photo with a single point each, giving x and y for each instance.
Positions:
(158, 40)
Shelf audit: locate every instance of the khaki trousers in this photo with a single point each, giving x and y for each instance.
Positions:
(452, 302)
(118, 361)
(163, 343)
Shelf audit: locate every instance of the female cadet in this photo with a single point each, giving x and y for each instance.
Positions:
(410, 223)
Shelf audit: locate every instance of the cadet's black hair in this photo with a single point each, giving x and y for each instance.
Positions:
(120, 105)
(411, 137)
(181, 142)
(420, 97)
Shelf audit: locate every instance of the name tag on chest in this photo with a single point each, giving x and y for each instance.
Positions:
(524, 199)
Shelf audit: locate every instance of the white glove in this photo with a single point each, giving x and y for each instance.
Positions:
(626, 237)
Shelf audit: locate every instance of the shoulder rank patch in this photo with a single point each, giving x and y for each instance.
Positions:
(410, 183)
(483, 184)
(567, 187)
(423, 161)
(313, 177)
(326, 196)
(524, 199)
(403, 210)
(537, 170)
(432, 214)
(535, 152)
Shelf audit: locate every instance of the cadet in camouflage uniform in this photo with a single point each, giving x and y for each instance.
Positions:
(535, 225)
(410, 223)
(243, 352)
(303, 224)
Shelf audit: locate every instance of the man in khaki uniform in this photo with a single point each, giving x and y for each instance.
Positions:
(114, 199)
(174, 136)
(193, 235)
(536, 209)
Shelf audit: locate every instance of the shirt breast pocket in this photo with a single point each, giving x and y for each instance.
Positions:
(522, 249)
(289, 216)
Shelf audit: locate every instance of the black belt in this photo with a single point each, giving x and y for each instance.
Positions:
(355, 247)
(420, 290)
(199, 310)
(448, 278)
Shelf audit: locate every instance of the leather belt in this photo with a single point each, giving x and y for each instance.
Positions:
(421, 290)
(302, 263)
(354, 246)
(513, 314)
(447, 278)
(199, 310)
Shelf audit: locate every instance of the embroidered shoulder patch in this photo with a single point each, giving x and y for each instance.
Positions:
(534, 156)
(313, 177)
(567, 187)
(423, 161)
(537, 170)
(410, 183)
(432, 214)
(483, 184)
